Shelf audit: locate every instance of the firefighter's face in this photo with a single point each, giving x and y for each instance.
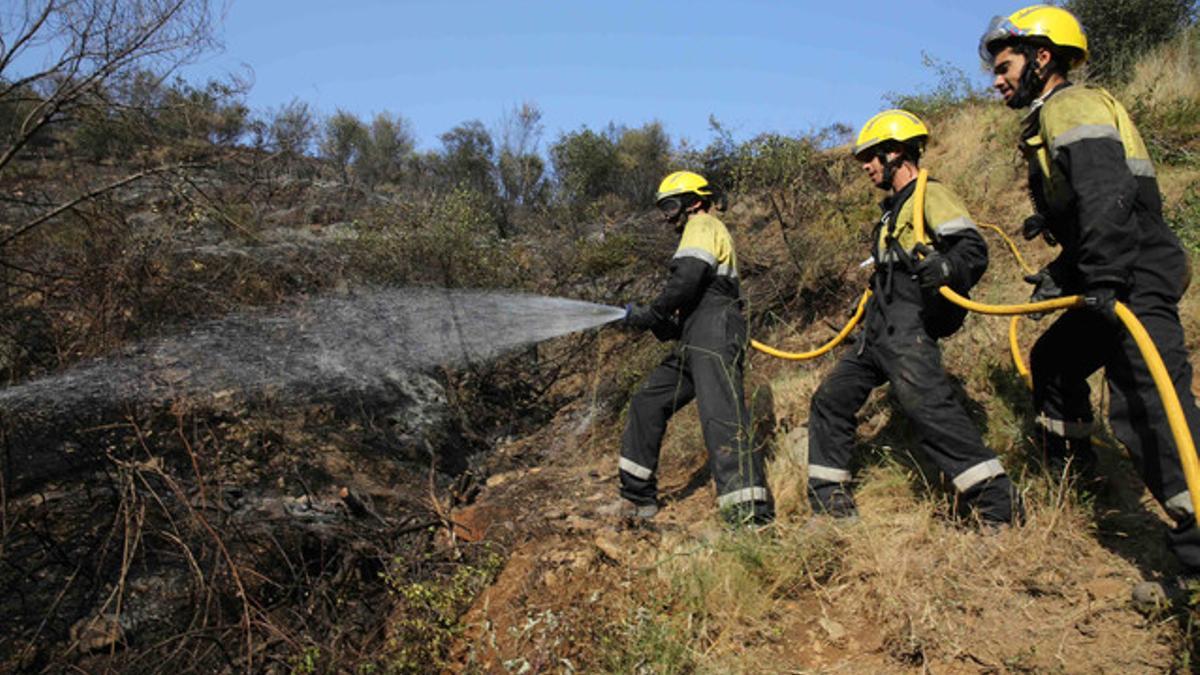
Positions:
(873, 166)
(1007, 67)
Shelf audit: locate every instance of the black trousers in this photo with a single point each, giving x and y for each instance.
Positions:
(1076, 345)
(706, 366)
(911, 361)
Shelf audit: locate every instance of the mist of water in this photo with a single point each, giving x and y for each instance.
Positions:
(326, 345)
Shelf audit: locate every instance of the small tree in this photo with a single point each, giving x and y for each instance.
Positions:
(643, 158)
(521, 170)
(342, 141)
(291, 129)
(388, 147)
(1118, 31)
(585, 164)
(467, 151)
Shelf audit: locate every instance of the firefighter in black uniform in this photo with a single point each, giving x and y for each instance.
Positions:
(701, 307)
(1095, 193)
(904, 319)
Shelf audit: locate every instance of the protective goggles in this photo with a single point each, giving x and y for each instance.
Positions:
(1000, 28)
(671, 207)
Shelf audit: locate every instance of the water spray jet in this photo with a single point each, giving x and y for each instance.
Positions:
(327, 345)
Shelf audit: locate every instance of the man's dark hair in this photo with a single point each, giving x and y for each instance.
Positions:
(910, 150)
(1060, 57)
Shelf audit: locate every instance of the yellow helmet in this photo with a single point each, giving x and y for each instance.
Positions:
(1036, 23)
(890, 125)
(682, 182)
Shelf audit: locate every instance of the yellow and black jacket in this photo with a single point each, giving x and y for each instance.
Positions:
(898, 299)
(703, 270)
(1091, 176)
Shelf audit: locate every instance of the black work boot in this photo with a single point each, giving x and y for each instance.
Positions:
(996, 504)
(831, 499)
(1178, 592)
(1072, 458)
(749, 514)
(623, 508)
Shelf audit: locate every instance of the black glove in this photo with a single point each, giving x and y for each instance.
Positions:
(667, 330)
(934, 270)
(1045, 287)
(1102, 300)
(640, 318)
(1035, 225)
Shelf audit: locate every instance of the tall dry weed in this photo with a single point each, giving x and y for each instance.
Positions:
(1167, 73)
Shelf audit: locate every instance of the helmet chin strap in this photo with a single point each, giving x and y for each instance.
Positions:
(1029, 86)
(889, 168)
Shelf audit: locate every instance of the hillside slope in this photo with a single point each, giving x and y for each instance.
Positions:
(347, 513)
(905, 589)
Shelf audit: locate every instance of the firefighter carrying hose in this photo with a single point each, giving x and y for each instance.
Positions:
(1094, 192)
(701, 306)
(904, 319)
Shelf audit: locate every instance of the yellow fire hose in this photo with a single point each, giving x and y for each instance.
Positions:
(1158, 371)
(823, 349)
(1014, 344)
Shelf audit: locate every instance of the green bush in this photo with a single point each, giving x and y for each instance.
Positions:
(451, 242)
(601, 256)
(627, 163)
(771, 161)
(585, 164)
(1119, 31)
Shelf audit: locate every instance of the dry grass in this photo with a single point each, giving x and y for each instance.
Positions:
(905, 589)
(1167, 74)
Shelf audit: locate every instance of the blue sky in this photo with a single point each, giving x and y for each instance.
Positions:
(787, 67)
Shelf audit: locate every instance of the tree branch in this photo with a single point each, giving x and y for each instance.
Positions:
(24, 229)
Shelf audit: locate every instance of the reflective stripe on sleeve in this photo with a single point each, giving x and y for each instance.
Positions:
(727, 271)
(750, 494)
(1180, 503)
(1140, 167)
(1064, 428)
(1084, 132)
(633, 468)
(697, 253)
(818, 472)
(955, 225)
(977, 474)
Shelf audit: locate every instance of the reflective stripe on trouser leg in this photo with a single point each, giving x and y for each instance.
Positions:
(751, 494)
(630, 466)
(1180, 506)
(1064, 428)
(829, 490)
(817, 472)
(977, 474)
